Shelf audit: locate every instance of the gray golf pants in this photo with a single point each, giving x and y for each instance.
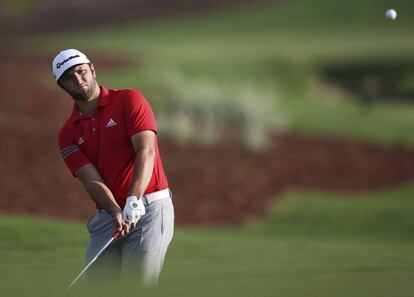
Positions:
(137, 256)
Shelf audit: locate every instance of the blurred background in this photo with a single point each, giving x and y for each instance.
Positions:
(285, 128)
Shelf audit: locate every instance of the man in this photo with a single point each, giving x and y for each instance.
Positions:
(109, 143)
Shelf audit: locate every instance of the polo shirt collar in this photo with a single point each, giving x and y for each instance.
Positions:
(103, 97)
(103, 101)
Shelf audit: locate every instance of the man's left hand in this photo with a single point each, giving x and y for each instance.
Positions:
(133, 211)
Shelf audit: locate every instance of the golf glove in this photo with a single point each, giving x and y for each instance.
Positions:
(134, 209)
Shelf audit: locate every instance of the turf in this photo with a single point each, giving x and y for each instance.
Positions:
(282, 47)
(310, 244)
(313, 244)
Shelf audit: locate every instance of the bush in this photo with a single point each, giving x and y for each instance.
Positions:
(205, 111)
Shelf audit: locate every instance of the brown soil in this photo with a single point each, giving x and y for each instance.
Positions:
(211, 185)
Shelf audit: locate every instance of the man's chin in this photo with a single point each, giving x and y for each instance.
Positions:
(81, 96)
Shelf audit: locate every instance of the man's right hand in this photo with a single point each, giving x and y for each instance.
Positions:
(120, 224)
(102, 195)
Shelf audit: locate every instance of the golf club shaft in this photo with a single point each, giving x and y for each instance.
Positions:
(94, 259)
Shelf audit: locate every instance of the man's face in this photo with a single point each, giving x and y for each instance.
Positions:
(79, 81)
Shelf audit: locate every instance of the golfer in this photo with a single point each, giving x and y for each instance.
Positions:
(110, 144)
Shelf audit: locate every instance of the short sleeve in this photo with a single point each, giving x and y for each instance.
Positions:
(138, 114)
(71, 153)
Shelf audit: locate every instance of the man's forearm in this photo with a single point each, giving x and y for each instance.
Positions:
(101, 195)
(95, 186)
(143, 169)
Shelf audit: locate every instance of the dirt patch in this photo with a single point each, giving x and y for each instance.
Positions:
(227, 185)
(211, 185)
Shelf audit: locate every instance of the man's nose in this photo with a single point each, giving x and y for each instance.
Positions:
(78, 78)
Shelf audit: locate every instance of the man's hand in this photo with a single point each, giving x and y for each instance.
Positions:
(100, 193)
(120, 224)
(133, 211)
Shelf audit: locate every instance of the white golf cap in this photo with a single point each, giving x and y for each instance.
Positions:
(66, 59)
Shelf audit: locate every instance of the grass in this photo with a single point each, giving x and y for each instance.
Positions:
(383, 215)
(279, 46)
(310, 244)
(318, 244)
(386, 123)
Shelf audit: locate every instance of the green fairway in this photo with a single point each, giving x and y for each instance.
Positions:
(262, 65)
(314, 244)
(276, 48)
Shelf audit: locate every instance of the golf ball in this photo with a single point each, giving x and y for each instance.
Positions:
(391, 14)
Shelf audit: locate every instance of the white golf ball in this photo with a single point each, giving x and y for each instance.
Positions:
(391, 14)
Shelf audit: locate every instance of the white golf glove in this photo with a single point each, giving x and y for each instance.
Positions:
(134, 209)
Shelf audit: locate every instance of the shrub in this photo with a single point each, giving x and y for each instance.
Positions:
(206, 111)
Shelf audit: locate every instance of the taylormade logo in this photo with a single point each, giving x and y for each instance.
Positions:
(67, 59)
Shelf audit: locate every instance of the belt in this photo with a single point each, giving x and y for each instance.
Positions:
(149, 198)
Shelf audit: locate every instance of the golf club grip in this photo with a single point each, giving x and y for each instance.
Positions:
(116, 234)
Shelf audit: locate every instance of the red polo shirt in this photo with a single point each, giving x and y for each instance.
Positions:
(104, 140)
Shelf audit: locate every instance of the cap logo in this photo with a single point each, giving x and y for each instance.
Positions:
(58, 65)
(65, 59)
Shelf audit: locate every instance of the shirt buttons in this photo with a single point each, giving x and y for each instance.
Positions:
(93, 119)
(93, 129)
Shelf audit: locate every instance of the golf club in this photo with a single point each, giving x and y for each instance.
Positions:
(114, 236)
